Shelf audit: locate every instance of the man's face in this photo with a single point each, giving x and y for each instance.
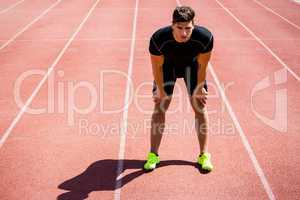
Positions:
(182, 31)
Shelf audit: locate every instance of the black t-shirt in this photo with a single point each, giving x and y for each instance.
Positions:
(178, 54)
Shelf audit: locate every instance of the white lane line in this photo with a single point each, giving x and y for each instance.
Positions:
(296, 1)
(11, 7)
(50, 69)
(124, 125)
(178, 3)
(28, 26)
(275, 13)
(244, 139)
(137, 39)
(260, 41)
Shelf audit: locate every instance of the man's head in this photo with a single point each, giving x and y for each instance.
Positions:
(183, 23)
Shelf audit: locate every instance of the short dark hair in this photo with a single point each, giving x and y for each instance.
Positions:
(183, 14)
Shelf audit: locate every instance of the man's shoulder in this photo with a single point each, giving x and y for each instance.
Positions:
(200, 33)
(202, 36)
(163, 34)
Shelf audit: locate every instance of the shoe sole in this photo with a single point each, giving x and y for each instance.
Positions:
(203, 170)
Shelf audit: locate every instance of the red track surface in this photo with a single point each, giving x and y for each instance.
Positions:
(53, 156)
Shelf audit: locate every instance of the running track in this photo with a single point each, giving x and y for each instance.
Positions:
(79, 53)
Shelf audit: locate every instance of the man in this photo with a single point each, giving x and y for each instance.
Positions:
(181, 50)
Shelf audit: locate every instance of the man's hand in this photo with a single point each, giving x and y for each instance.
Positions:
(159, 96)
(200, 96)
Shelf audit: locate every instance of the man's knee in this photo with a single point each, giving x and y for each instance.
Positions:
(158, 116)
(200, 113)
(198, 107)
(162, 107)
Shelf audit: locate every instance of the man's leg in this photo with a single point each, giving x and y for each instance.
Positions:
(158, 116)
(157, 128)
(201, 116)
(159, 112)
(201, 125)
(158, 124)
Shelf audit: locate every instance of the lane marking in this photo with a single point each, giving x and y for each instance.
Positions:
(137, 39)
(275, 13)
(244, 139)
(28, 25)
(259, 41)
(11, 7)
(50, 69)
(296, 1)
(124, 125)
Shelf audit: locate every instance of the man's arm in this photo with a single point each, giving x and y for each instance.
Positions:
(157, 70)
(200, 92)
(203, 59)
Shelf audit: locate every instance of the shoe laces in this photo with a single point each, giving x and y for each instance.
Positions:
(152, 158)
(205, 156)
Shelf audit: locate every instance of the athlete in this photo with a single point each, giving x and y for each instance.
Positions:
(181, 50)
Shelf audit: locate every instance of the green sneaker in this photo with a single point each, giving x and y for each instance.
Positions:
(204, 162)
(152, 161)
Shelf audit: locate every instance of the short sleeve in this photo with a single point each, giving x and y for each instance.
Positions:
(153, 48)
(209, 45)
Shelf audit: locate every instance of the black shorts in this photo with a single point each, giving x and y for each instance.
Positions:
(188, 73)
